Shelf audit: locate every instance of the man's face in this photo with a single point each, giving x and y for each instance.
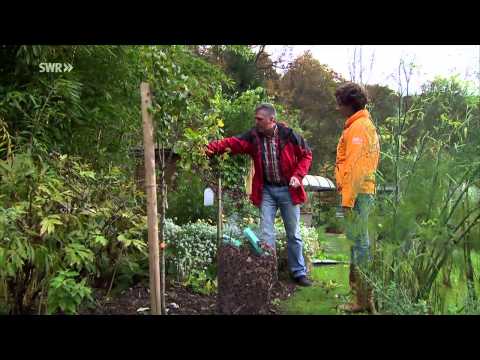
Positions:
(263, 121)
(345, 110)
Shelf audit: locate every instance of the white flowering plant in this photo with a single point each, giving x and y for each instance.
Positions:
(191, 248)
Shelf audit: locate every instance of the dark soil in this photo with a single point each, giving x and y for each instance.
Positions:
(136, 301)
(245, 280)
(181, 300)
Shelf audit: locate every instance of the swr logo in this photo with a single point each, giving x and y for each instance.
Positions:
(55, 67)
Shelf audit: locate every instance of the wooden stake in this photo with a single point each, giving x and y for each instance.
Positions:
(220, 211)
(151, 189)
(163, 201)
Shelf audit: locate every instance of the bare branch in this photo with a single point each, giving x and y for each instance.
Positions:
(260, 52)
(361, 66)
(372, 61)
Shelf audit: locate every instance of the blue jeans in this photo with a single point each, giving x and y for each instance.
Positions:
(275, 197)
(356, 229)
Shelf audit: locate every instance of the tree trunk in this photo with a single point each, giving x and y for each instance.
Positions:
(151, 189)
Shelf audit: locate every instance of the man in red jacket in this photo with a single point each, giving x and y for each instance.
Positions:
(281, 159)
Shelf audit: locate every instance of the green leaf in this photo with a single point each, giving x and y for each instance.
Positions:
(124, 240)
(88, 174)
(78, 255)
(99, 239)
(48, 224)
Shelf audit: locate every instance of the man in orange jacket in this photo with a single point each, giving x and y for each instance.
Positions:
(358, 153)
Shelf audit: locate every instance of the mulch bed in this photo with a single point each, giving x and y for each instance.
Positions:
(179, 300)
(245, 280)
(247, 284)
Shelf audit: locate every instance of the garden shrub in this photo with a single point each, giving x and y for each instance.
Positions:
(191, 247)
(63, 228)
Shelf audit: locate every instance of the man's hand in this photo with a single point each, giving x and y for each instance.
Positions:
(208, 152)
(294, 182)
(211, 153)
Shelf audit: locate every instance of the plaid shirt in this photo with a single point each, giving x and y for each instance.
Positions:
(271, 159)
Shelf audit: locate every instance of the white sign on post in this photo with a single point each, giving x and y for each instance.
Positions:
(208, 197)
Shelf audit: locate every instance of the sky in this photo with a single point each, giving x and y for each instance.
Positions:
(430, 61)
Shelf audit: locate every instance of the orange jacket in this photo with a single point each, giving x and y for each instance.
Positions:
(358, 153)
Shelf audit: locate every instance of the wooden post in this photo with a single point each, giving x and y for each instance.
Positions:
(162, 229)
(220, 211)
(151, 189)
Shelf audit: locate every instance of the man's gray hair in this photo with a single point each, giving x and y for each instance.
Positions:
(268, 108)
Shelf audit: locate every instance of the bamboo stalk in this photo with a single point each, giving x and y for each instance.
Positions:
(151, 186)
(469, 274)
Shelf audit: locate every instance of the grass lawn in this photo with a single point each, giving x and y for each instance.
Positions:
(330, 289)
(330, 284)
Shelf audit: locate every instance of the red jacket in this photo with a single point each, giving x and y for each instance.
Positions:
(295, 159)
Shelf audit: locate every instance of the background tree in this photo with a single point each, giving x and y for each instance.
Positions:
(309, 87)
